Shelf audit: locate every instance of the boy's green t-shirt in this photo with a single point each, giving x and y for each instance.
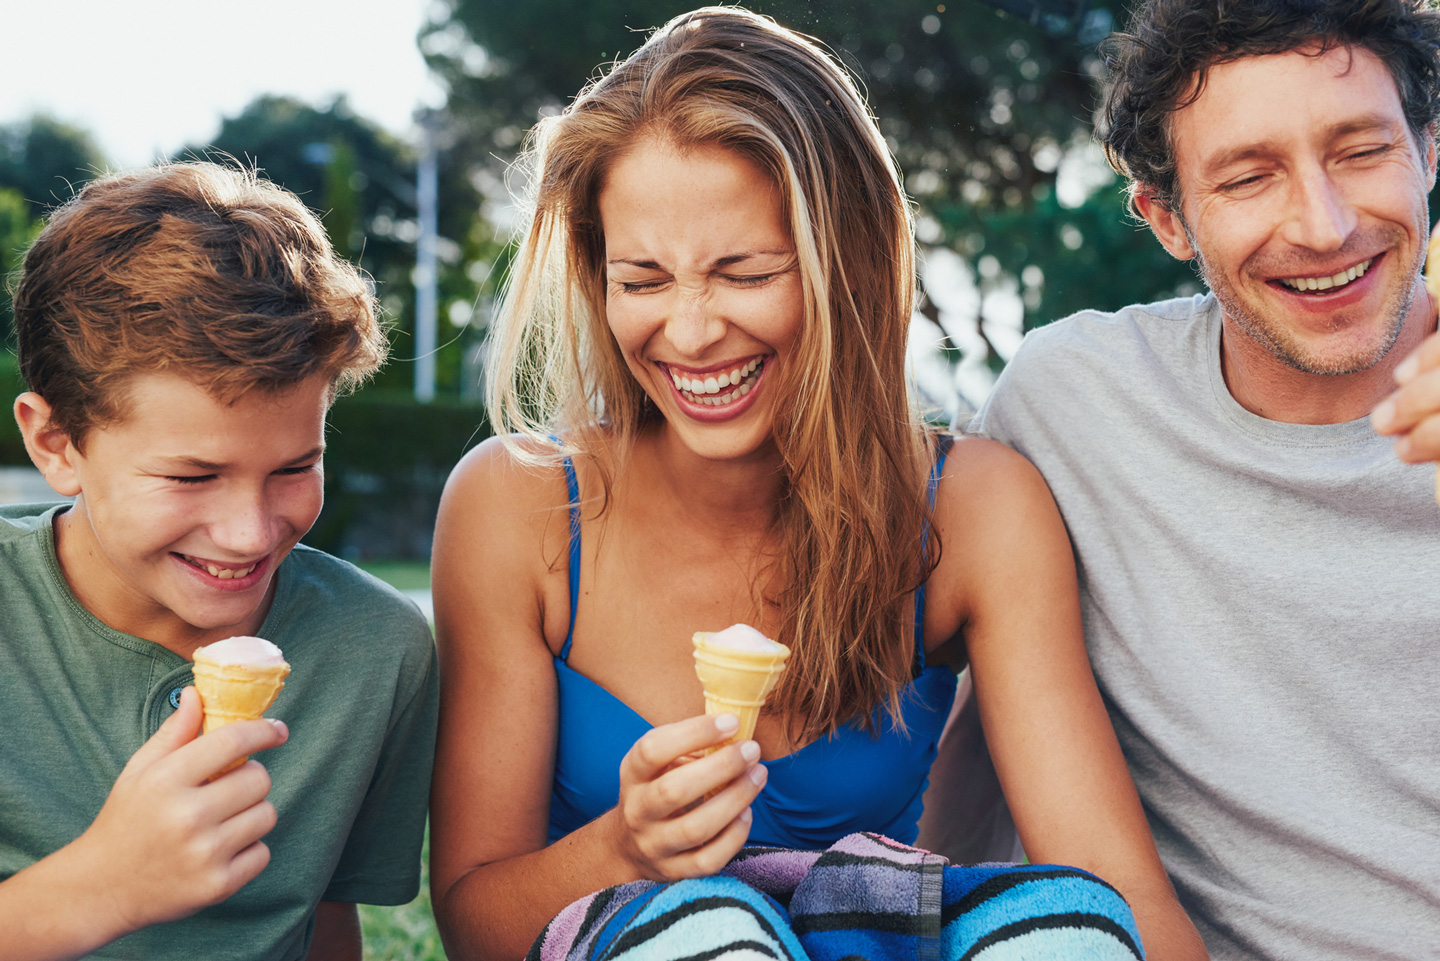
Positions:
(350, 786)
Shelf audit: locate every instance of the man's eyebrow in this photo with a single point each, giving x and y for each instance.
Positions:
(1368, 123)
(728, 260)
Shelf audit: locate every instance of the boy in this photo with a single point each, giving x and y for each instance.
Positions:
(183, 331)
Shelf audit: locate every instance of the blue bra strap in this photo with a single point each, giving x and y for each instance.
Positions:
(942, 448)
(572, 485)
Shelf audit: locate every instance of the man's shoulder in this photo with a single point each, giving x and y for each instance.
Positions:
(1106, 333)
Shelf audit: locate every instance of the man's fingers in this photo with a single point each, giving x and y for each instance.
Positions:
(1423, 358)
(1410, 405)
(1421, 443)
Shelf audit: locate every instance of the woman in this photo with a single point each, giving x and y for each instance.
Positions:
(700, 368)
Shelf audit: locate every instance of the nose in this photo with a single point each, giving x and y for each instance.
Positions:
(1321, 217)
(694, 324)
(247, 523)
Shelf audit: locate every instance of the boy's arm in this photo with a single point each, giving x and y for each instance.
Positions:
(337, 933)
(107, 882)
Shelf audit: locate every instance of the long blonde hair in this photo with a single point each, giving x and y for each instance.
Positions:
(853, 509)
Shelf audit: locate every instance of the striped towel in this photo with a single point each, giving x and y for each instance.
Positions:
(867, 898)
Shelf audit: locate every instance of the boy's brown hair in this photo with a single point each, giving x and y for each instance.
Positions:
(197, 269)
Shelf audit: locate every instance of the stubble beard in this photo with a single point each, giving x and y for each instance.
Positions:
(1271, 332)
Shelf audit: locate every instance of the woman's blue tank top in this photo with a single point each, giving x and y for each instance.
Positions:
(850, 781)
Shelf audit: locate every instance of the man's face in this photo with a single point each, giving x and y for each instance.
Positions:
(187, 506)
(1302, 193)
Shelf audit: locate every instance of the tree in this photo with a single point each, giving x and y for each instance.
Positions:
(980, 108)
(361, 181)
(45, 161)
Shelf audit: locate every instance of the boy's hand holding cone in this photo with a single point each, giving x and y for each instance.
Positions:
(237, 680)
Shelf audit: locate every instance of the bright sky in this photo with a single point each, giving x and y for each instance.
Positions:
(147, 77)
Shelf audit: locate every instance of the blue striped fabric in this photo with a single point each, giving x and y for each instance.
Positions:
(867, 898)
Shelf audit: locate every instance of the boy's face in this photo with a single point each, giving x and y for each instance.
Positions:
(187, 506)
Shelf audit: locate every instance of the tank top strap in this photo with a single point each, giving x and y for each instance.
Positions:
(572, 486)
(942, 449)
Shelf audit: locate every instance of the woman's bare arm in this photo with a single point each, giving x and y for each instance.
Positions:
(1008, 560)
(494, 881)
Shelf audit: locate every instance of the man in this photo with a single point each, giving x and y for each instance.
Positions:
(1258, 569)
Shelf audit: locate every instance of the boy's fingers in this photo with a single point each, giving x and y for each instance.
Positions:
(218, 750)
(662, 746)
(178, 729)
(239, 832)
(247, 864)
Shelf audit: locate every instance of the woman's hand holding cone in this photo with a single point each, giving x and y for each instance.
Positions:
(664, 825)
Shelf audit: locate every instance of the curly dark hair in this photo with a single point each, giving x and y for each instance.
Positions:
(1158, 66)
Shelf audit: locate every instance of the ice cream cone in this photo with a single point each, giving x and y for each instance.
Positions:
(235, 692)
(737, 681)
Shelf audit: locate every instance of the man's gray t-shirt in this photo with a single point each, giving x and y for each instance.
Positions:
(1262, 608)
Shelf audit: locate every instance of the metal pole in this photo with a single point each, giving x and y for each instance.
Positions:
(426, 275)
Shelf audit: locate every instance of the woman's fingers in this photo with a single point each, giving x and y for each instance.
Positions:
(735, 779)
(661, 747)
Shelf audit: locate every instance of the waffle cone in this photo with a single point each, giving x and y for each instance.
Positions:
(236, 692)
(737, 681)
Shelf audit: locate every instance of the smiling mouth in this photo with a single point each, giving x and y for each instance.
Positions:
(214, 570)
(1342, 279)
(717, 390)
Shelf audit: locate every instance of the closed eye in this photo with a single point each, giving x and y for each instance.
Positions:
(757, 281)
(196, 479)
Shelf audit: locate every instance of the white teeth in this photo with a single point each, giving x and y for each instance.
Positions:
(705, 390)
(223, 573)
(1326, 283)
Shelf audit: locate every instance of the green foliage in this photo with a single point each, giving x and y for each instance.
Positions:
(46, 161)
(385, 465)
(12, 448)
(978, 107)
(17, 230)
(361, 181)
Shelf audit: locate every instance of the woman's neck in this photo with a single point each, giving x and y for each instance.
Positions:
(736, 496)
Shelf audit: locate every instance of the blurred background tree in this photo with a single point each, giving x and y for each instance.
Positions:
(988, 113)
(361, 180)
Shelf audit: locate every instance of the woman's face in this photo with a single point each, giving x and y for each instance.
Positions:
(702, 291)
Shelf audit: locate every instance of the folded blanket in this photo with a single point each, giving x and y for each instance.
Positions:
(867, 898)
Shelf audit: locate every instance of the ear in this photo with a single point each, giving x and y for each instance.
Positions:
(1165, 224)
(50, 448)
